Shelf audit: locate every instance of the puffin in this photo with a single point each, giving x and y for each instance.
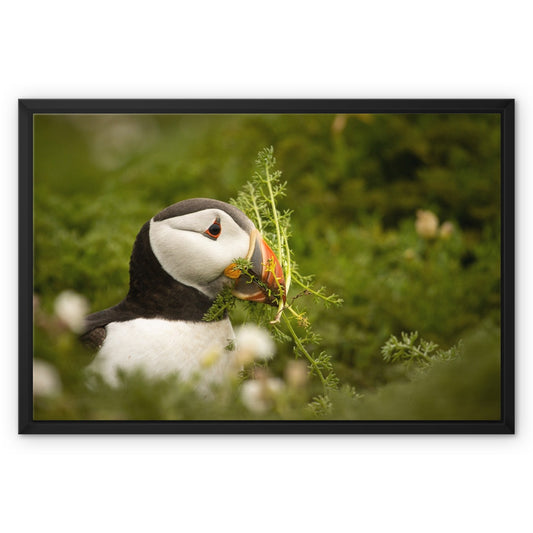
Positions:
(181, 259)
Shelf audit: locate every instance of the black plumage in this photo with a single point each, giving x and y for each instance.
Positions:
(153, 293)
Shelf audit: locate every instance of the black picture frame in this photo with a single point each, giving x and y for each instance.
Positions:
(29, 107)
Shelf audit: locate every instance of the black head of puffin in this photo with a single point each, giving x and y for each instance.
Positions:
(267, 284)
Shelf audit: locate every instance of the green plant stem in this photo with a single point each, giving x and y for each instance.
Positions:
(424, 355)
(274, 213)
(292, 311)
(305, 352)
(313, 292)
(256, 209)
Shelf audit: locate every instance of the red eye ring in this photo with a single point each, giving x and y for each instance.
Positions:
(214, 230)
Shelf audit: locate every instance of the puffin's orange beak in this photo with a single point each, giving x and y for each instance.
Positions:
(266, 267)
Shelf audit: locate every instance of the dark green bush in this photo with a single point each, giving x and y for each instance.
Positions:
(355, 184)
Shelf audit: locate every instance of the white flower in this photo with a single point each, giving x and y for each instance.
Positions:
(253, 343)
(446, 230)
(71, 308)
(296, 374)
(427, 224)
(258, 395)
(339, 123)
(46, 381)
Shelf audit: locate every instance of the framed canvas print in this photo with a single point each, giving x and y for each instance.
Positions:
(266, 266)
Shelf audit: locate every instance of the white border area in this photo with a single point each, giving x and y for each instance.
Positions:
(163, 49)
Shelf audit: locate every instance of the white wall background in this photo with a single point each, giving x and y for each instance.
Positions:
(60, 49)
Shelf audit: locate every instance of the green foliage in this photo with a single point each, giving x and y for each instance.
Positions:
(466, 387)
(354, 185)
(259, 200)
(406, 350)
(223, 304)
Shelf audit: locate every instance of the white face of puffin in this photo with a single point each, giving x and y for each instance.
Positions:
(196, 248)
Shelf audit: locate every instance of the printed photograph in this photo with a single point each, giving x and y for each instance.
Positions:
(267, 267)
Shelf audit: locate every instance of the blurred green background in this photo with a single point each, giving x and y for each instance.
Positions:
(355, 183)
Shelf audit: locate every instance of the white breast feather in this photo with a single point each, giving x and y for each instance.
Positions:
(161, 347)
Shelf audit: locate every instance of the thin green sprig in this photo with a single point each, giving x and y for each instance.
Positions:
(410, 349)
(223, 304)
(259, 200)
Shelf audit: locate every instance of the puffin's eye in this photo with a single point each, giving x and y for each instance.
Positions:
(213, 231)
